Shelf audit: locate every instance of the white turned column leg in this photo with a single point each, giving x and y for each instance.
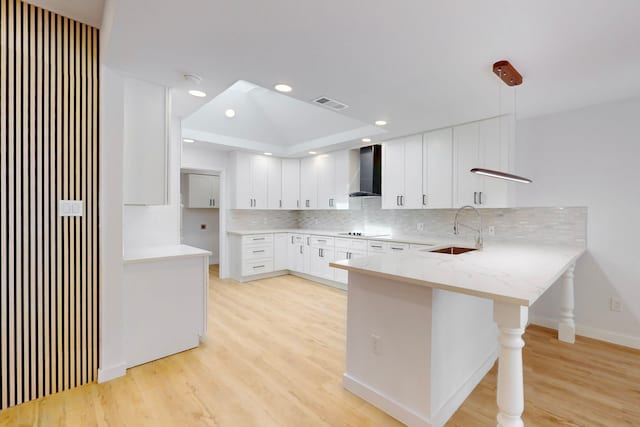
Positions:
(567, 325)
(511, 320)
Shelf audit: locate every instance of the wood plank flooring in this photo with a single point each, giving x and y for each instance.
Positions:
(275, 356)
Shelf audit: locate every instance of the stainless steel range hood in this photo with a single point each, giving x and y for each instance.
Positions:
(370, 172)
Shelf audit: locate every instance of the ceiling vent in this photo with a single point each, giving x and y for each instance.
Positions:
(330, 103)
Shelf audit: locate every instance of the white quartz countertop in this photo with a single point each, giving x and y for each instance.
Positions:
(417, 239)
(506, 272)
(153, 253)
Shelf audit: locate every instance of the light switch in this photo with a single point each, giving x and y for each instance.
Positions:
(70, 207)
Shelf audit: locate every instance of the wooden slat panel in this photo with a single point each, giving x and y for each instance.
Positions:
(48, 152)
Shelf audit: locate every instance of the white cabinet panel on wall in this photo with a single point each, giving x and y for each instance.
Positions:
(485, 145)
(402, 173)
(290, 183)
(145, 115)
(280, 251)
(203, 191)
(437, 169)
(250, 180)
(274, 183)
(308, 183)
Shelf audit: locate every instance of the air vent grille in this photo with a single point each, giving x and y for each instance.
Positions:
(332, 104)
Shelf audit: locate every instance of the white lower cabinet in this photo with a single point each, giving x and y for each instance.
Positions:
(280, 251)
(347, 249)
(321, 251)
(296, 252)
(251, 255)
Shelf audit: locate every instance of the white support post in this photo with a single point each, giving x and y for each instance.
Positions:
(567, 324)
(511, 320)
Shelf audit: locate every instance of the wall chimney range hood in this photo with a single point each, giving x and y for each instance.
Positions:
(370, 172)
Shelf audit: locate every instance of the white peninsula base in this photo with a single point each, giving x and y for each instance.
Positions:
(416, 352)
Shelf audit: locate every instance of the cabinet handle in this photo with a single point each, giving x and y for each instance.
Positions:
(306, 203)
(257, 252)
(300, 248)
(280, 203)
(376, 246)
(257, 238)
(424, 200)
(292, 240)
(475, 197)
(308, 241)
(321, 240)
(348, 255)
(297, 203)
(480, 197)
(258, 266)
(213, 202)
(320, 253)
(397, 249)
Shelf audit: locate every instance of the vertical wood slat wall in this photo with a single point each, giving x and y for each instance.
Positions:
(48, 152)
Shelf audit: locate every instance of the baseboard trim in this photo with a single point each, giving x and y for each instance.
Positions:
(387, 405)
(409, 417)
(457, 399)
(112, 372)
(320, 280)
(594, 333)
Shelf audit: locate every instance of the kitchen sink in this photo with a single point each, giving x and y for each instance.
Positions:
(453, 250)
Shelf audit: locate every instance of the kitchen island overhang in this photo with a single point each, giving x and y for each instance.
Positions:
(422, 327)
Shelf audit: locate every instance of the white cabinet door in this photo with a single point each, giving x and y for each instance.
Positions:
(326, 171)
(340, 275)
(280, 251)
(274, 182)
(215, 193)
(259, 181)
(295, 254)
(347, 177)
(392, 174)
(412, 192)
(494, 154)
(202, 191)
(144, 143)
(243, 196)
(466, 155)
(437, 165)
(308, 183)
(290, 183)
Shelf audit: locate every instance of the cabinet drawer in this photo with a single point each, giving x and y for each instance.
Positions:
(417, 247)
(253, 252)
(398, 247)
(357, 244)
(321, 241)
(257, 239)
(249, 268)
(377, 247)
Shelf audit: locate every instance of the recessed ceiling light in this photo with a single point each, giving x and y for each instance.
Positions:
(281, 87)
(366, 139)
(230, 113)
(188, 140)
(313, 152)
(268, 154)
(381, 122)
(197, 93)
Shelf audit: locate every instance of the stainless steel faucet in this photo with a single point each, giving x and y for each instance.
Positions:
(456, 226)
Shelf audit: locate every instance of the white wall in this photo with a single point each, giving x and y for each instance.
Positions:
(194, 235)
(589, 157)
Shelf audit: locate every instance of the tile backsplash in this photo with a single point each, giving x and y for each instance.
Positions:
(565, 225)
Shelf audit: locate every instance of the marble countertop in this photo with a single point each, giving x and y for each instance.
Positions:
(507, 272)
(154, 253)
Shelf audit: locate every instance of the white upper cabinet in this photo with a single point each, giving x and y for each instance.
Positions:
(486, 144)
(145, 116)
(326, 174)
(290, 183)
(203, 191)
(250, 178)
(308, 182)
(338, 176)
(437, 169)
(274, 183)
(402, 173)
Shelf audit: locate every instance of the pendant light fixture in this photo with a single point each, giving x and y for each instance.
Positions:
(511, 77)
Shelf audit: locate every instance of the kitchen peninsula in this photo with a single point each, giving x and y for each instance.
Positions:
(421, 332)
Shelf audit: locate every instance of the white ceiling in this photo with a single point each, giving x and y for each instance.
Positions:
(269, 121)
(420, 64)
(87, 11)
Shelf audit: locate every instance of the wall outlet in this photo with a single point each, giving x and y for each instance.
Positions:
(203, 226)
(491, 230)
(375, 343)
(420, 226)
(615, 304)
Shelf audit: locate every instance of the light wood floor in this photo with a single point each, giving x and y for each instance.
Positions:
(275, 357)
